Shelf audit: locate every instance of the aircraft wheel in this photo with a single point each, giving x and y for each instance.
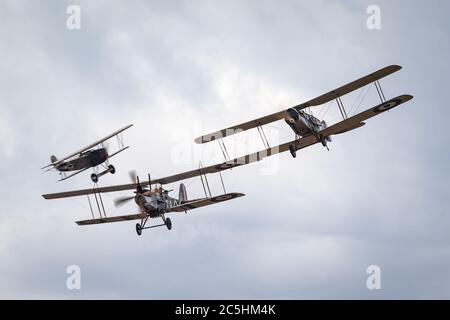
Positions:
(168, 223)
(112, 169)
(138, 229)
(323, 141)
(292, 150)
(94, 178)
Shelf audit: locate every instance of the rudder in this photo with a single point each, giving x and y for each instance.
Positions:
(182, 195)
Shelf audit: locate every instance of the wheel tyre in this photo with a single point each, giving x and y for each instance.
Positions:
(112, 169)
(323, 141)
(138, 229)
(292, 150)
(94, 178)
(168, 223)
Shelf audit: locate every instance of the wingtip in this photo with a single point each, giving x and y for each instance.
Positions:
(394, 67)
(198, 140)
(205, 139)
(407, 97)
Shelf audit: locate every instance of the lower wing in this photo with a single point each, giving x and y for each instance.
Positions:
(112, 219)
(194, 204)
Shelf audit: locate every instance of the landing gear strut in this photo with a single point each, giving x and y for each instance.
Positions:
(111, 169)
(323, 140)
(141, 226)
(292, 150)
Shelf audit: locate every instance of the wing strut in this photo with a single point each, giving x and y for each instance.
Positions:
(263, 137)
(341, 108)
(341, 104)
(99, 202)
(223, 185)
(205, 181)
(380, 91)
(224, 149)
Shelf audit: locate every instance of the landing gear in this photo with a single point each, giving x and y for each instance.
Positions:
(292, 150)
(111, 169)
(323, 140)
(138, 229)
(141, 226)
(168, 223)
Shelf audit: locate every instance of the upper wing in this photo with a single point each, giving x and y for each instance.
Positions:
(88, 147)
(351, 123)
(204, 202)
(241, 127)
(334, 94)
(247, 159)
(349, 87)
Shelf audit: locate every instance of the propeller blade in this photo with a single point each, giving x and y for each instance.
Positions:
(132, 175)
(120, 201)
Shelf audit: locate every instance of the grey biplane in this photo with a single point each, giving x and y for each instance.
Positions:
(309, 130)
(91, 156)
(153, 202)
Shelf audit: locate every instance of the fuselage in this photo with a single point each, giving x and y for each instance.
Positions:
(303, 123)
(155, 202)
(88, 159)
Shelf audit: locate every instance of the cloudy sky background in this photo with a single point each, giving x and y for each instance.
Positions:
(307, 228)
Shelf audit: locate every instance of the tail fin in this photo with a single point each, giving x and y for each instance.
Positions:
(182, 195)
(53, 159)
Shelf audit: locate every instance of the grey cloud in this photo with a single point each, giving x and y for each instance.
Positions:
(309, 231)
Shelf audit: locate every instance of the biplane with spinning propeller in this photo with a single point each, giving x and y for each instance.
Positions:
(308, 130)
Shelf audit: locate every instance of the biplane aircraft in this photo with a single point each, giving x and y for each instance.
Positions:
(92, 156)
(309, 130)
(152, 202)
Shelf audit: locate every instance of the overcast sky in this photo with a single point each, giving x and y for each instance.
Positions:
(307, 228)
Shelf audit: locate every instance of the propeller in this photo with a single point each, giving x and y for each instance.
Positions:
(120, 201)
(139, 190)
(133, 176)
